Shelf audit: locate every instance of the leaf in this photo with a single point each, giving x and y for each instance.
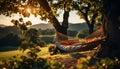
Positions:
(28, 23)
(21, 19)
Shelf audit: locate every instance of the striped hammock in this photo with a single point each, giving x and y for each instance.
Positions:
(75, 45)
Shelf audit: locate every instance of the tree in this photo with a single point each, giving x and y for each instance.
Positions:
(39, 7)
(21, 24)
(82, 33)
(111, 26)
(111, 29)
(32, 35)
(64, 5)
(90, 11)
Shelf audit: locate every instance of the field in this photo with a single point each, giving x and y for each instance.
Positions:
(75, 60)
(8, 54)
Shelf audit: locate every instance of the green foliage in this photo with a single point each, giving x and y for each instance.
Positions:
(90, 11)
(21, 25)
(72, 33)
(46, 32)
(41, 43)
(82, 34)
(47, 39)
(33, 52)
(32, 35)
(83, 63)
(104, 63)
(52, 49)
(10, 39)
(61, 5)
(31, 61)
(54, 64)
(25, 45)
(108, 63)
(25, 63)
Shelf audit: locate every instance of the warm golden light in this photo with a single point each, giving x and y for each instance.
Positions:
(28, 10)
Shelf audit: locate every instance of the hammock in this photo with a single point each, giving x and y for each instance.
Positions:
(79, 46)
(92, 41)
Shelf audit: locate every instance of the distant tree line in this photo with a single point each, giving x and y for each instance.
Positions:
(10, 40)
(12, 37)
(46, 32)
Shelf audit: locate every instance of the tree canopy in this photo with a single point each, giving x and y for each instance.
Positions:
(90, 11)
(48, 10)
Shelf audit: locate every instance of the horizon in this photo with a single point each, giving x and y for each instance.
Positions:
(39, 23)
(6, 20)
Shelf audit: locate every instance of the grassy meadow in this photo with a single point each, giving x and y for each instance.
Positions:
(10, 58)
(8, 54)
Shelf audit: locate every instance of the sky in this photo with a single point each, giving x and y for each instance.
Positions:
(73, 18)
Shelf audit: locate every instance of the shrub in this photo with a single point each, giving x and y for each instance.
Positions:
(41, 43)
(105, 63)
(47, 39)
(82, 34)
(52, 49)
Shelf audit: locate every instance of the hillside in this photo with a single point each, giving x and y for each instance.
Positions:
(1, 25)
(8, 36)
(8, 29)
(75, 27)
(42, 26)
(4, 30)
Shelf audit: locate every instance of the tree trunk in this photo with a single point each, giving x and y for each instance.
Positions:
(91, 28)
(91, 25)
(62, 29)
(47, 8)
(63, 33)
(65, 21)
(111, 25)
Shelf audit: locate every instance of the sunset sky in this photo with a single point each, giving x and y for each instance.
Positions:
(36, 20)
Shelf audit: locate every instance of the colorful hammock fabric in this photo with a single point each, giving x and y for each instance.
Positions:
(80, 46)
(91, 41)
(69, 42)
(68, 48)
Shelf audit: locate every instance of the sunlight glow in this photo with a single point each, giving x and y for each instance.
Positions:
(36, 20)
(28, 10)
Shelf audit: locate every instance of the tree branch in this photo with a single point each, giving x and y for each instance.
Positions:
(46, 7)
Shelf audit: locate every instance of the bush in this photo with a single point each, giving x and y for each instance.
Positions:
(31, 61)
(72, 33)
(52, 49)
(82, 34)
(41, 43)
(10, 40)
(47, 39)
(105, 63)
(35, 62)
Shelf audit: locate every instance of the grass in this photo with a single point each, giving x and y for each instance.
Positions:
(43, 52)
(8, 54)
